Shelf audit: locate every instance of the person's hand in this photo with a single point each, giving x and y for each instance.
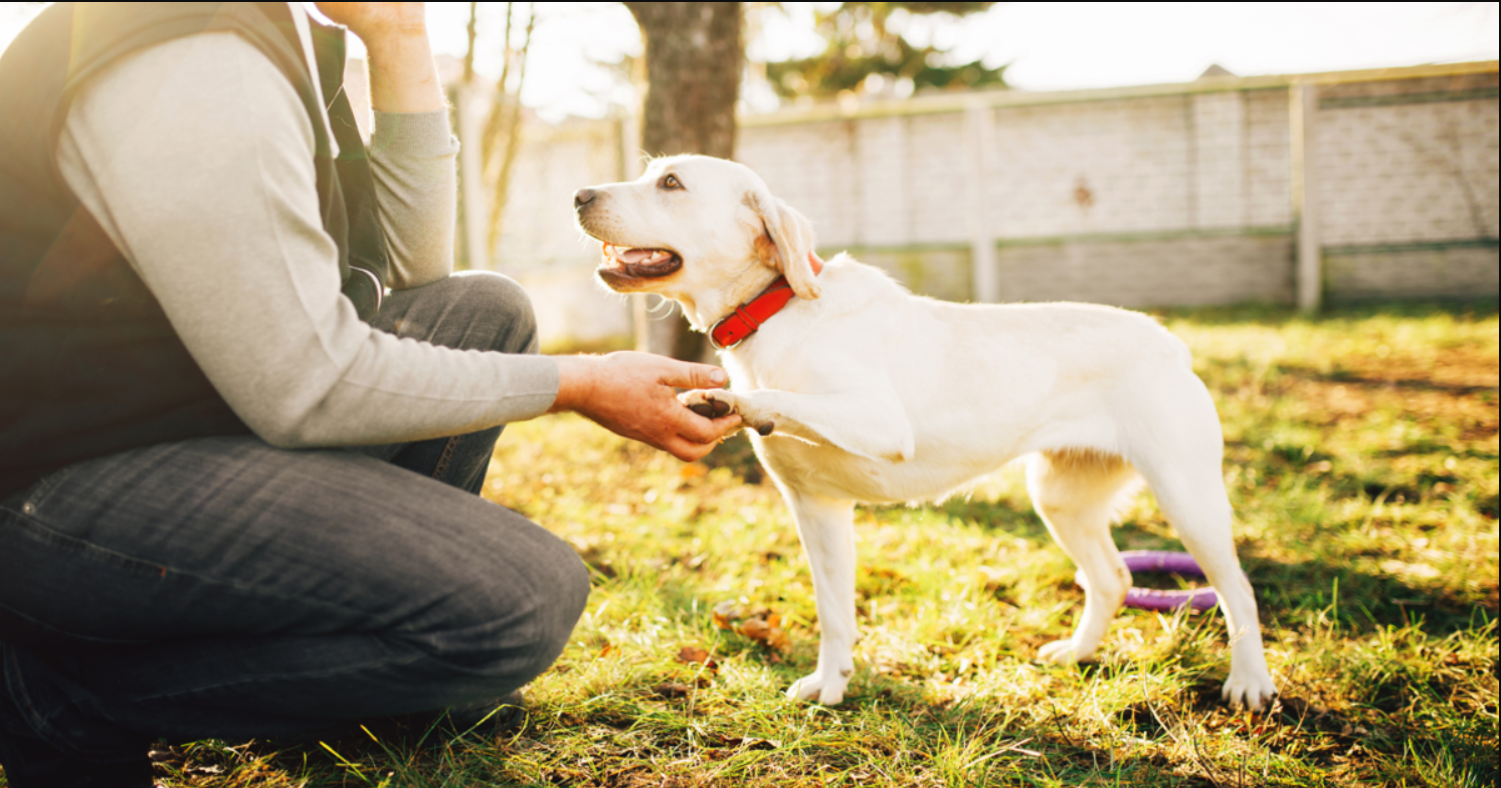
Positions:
(378, 20)
(815, 261)
(632, 394)
(402, 75)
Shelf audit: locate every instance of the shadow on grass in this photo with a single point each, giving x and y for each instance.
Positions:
(737, 454)
(1279, 314)
(1360, 601)
(1343, 375)
(1001, 517)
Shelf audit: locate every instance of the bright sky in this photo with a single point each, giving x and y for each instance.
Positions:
(1051, 46)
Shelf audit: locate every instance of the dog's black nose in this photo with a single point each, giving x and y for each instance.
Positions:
(583, 197)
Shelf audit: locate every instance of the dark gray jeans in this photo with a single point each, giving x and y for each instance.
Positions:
(220, 587)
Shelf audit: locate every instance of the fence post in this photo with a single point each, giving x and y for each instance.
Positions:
(980, 132)
(1303, 104)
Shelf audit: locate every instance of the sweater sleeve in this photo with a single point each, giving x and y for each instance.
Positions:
(412, 157)
(196, 158)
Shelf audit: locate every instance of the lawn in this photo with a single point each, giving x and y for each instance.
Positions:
(1362, 460)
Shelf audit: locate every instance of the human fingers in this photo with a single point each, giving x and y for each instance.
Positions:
(690, 449)
(688, 375)
(698, 428)
(815, 261)
(725, 426)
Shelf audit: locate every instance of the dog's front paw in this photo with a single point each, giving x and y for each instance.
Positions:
(1062, 652)
(709, 403)
(829, 692)
(1252, 692)
(713, 403)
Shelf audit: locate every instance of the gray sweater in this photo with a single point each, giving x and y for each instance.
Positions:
(196, 157)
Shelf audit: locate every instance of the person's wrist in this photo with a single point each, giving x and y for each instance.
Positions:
(575, 382)
(402, 75)
(390, 44)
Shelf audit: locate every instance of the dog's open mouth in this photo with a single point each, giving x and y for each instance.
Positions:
(639, 263)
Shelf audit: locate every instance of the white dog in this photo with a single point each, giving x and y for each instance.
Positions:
(860, 391)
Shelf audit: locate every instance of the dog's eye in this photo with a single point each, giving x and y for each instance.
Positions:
(670, 181)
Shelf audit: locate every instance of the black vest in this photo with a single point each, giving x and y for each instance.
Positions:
(89, 364)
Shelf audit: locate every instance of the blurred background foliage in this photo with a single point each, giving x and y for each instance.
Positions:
(870, 49)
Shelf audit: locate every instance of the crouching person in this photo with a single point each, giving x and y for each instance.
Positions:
(248, 408)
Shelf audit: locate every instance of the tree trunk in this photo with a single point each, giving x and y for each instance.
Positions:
(505, 121)
(694, 57)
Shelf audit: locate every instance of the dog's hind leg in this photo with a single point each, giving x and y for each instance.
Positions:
(1192, 497)
(1076, 493)
(827, 529)
(1177, 446)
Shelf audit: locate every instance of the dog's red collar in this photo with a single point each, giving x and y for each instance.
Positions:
(741, 323)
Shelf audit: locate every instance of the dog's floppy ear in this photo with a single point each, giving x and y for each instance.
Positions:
(785, 241)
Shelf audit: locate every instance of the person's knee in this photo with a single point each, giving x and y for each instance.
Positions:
(562, 594)
(502, 305)
(471, 310)
(503, 627)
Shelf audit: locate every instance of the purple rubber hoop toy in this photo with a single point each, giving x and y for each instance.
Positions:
(1165, 561)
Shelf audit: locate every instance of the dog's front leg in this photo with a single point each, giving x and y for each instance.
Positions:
(869, 423)
(827, 528)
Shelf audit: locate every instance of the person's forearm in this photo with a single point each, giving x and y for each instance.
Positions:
(412, 150)
(416, 191)
(403, 77)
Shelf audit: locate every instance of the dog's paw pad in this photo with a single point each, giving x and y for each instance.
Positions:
(710, 409)
(706, 403)
(766, 429)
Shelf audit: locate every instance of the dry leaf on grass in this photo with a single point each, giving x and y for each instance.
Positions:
(763, 626)
(747, 742)
(725, 614)
(673, 689)
(693, 654)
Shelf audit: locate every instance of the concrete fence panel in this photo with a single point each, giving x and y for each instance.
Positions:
(1153, 196)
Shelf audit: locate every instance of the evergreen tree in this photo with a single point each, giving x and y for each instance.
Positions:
(862, 41)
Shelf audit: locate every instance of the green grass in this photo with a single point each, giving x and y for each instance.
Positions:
(1362, 460)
